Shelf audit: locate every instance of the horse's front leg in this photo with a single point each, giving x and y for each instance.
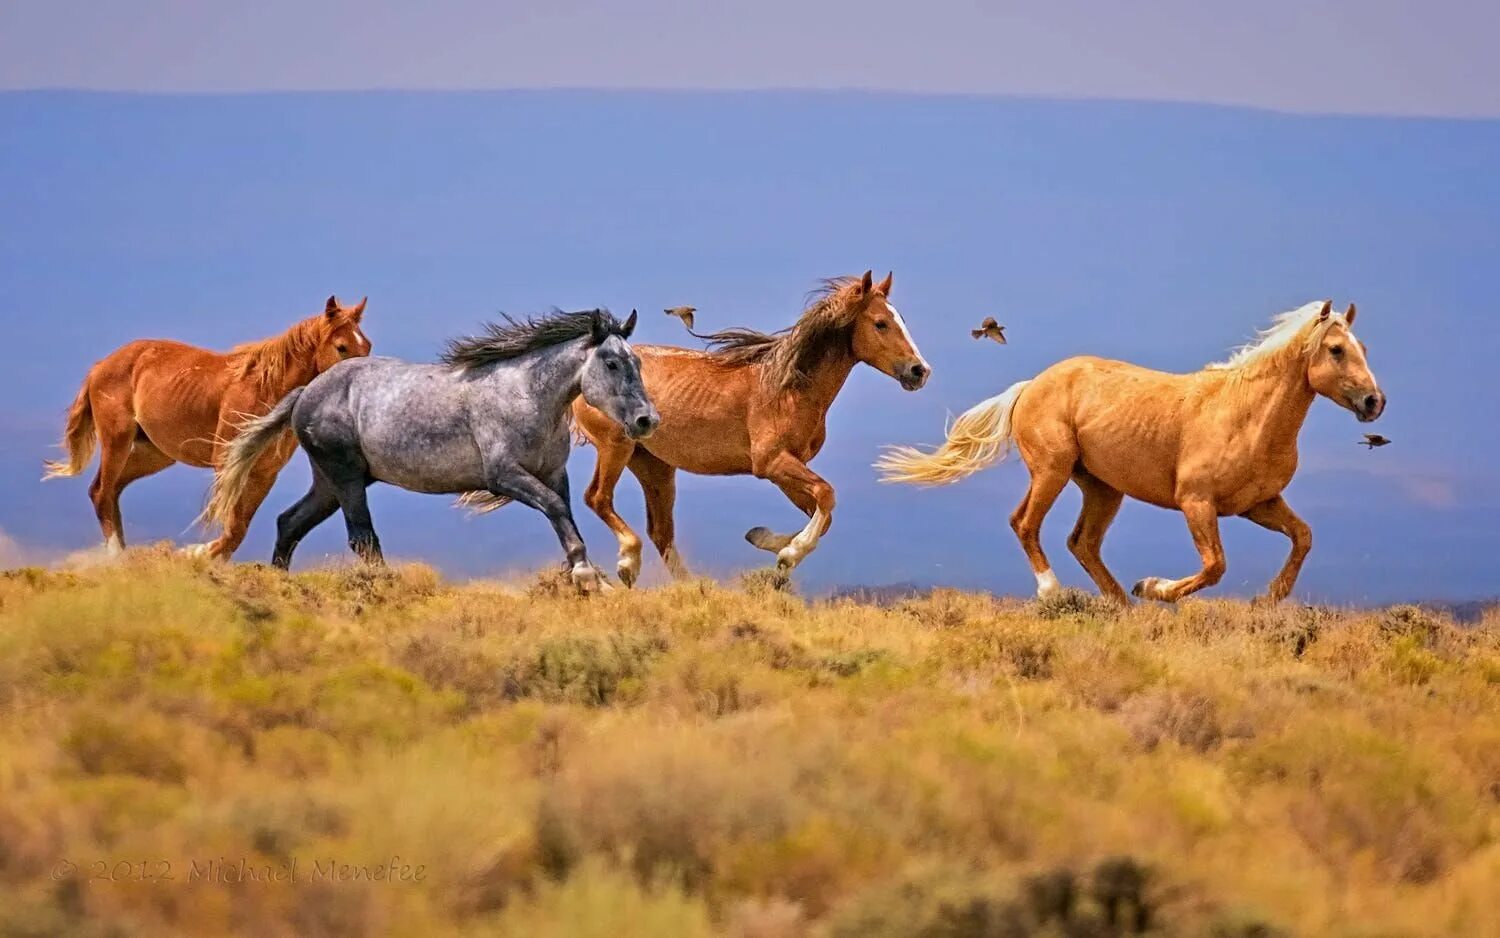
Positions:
(1276, 515)
(1203, 523)
(516, 483)
(809, 492)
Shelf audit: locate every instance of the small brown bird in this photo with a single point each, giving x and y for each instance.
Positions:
(989, 329)
(685, 313)
(1373, 440)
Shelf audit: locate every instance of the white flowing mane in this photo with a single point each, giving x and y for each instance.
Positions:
(1283, 329)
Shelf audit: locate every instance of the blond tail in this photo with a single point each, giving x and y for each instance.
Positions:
(232, 475)
(78, 439)
(980, 437)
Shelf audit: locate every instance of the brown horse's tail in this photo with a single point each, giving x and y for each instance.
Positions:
(980, 437)
(232, 475)
(78, 438)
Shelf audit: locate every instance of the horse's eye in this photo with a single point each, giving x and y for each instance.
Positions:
(882, 325)
(343, 349)
(1337, 351)
(612, 366)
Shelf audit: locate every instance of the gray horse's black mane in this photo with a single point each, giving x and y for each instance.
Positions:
(512, 338)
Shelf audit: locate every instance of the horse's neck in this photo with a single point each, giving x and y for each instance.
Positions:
(557, 378)
(826, 379)
(1280, 398)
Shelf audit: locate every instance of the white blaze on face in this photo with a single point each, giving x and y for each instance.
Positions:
(361, 343)
(906, 334)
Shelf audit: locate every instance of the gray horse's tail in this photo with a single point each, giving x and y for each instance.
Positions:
(232, 475)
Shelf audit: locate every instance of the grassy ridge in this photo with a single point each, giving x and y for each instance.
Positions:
(700, 760)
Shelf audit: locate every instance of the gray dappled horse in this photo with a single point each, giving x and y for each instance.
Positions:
(493, 415)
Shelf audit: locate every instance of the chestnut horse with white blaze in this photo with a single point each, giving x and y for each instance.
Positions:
(154, 402)
(1215, 443)
(753, 404)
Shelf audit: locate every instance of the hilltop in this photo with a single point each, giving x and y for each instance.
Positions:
(412, 756)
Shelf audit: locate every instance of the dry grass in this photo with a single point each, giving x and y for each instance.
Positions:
(700, 760)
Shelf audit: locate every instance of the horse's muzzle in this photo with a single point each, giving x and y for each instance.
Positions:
(1367, 405)
(643, 425)
(913, 375)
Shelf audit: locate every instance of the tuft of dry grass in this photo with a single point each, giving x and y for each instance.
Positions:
(421, 757)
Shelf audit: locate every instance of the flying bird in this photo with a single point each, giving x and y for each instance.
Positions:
(685, 313)
(1373, 440)
(989, 329)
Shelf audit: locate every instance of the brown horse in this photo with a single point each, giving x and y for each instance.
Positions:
(154, 402)
(754, 404)
(1215, 443)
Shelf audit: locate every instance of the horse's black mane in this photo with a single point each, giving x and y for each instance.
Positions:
(512, 338)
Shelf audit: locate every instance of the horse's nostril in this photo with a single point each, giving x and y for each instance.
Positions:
(644, 422)
(1371, 401)
(917, 371)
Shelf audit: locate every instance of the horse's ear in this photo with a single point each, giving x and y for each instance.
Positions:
(331, 308)
(1326, 311)
(629, 326)
(1349, 315)
(358, 311)
(598, 330)
(884, 286)
(866, 283)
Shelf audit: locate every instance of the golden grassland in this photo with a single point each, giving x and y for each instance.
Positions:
(706, 760)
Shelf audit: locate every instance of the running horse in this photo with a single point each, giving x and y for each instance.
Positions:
(154, 402)
(752, 404)
(1219, 442)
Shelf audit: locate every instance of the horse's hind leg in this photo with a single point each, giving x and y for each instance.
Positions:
(600, 496)
(1277, 515)
(352, 499)
(659, 481)
(1048, 477)
(311, 510)
(1100, 505)
(117, 432)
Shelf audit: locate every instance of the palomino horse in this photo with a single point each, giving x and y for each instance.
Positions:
(754, 404)
(154, 402)
(492, 417)
(1215, 443)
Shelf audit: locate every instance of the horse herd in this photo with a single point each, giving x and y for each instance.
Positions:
(493, 420)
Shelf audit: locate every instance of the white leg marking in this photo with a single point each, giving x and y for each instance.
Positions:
(803, 544)
(1046, 584)
(629, 565)
(113, 546)
(585, 577)
(195, 550)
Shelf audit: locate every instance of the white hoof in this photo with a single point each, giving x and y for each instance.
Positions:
(195, 550)
(586, 577)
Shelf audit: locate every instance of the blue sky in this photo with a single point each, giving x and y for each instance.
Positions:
(1159, 233)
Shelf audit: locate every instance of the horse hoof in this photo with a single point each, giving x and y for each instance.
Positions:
(1145, 589)
(628, 570)
(586, 578)
(766, 539)
(195, 550)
